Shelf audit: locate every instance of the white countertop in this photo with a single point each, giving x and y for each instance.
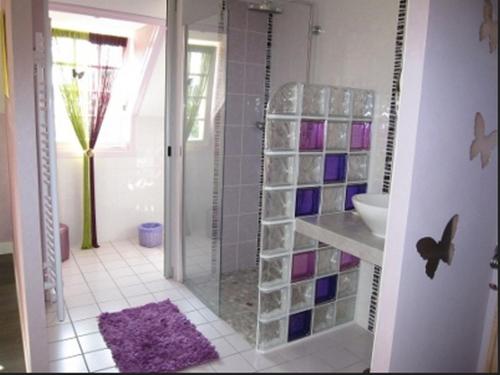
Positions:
(345, 231)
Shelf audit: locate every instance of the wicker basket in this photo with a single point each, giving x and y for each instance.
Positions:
(150, 234)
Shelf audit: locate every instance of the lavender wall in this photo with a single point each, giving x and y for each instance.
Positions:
(246, 55)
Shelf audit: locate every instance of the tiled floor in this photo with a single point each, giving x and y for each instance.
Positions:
(122, 274)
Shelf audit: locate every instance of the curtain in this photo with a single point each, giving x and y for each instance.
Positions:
(101, 76)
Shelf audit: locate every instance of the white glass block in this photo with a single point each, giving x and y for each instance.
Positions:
(302, 296)
(345, 309)
(327, 261)
(302, 242)
(358, 167)
(274, 271)
(273, 304)
(340, 102)
(348, 284)
(281, 135)
(277, 237)
(310, 169)
(271, 334)
(337, 136)
(279, 170)
(314, 100)
(332, 200)
(278, 205)
(284, 102)
(363, 104)
(324, 317)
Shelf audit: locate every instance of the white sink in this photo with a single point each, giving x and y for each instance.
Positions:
(373, 210)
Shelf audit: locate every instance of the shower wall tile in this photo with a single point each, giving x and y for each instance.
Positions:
(230, 230)
(235, 86)
(229, 258)
(247, 227)
(234, 109)
(232, 140)
(254, 79)
(248, 196)
(252, 144)
(250, 170)
(231, 201)
(253, 110)
(232, 170)
(237, 14)
(256, 48)
(236, 45)
(257, 21)
(247, 252)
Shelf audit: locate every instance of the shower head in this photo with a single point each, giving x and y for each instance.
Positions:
(265, 6)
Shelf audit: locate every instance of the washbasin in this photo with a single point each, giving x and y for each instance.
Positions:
(373, 210)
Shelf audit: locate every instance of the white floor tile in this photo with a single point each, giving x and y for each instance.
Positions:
(261, 361)
(134, 290)
(52, 319)
(196, 303)
(184, 306)
(80, 300)
(234, 363)
(84, 312)
(99, 360)
(238, 342)
(159, 285)
(150, 277)
(208, 331)
(199, 369)
(223, 328)
(223, 347)
(136, 261)
(109, 370)
(171, 294)
(114, 306)
(92, 342)
(64, 349)
(358, 367)
(60, 332)
(145, 268)
(69, 365)
(94, 267)
(195, 317)
(84, 327)
(124, 281)
(337, 358)
(208, 315)
(107, 295)
(121, 272)
(141, 300)
(302, 365)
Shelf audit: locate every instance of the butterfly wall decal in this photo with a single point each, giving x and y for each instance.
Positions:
(489, 28)
(77, 75)
(434, 252)
(482, 144)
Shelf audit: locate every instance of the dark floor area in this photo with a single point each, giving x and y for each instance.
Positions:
(11, 347)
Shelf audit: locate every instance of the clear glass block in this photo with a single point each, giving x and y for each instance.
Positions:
(271, 334)
(333, 199)
(302, 296)
(278, 205)
(348, 284)
(310, 169)
(273, 304)
(363, 103)
(279, 170)
(327, 261)
(302, 242)
(314, 100)
(345, 309)
(277, 237)
(281, 135)
(340, 102)
(284, 102)
(337, 136)
(274, 272)
(324, 317)
(358, 167)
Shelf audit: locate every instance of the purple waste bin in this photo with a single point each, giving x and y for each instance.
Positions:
(64, 239)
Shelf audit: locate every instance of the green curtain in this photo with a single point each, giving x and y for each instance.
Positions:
(71, 95)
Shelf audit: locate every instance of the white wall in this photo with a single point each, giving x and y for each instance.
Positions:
(129, 185)
(436, 325)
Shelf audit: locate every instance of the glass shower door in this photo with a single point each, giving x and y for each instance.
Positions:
(204, 23)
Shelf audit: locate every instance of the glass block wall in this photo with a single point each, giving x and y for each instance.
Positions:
(317, 149)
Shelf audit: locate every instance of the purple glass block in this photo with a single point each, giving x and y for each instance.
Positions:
(360, 136)
(303, 266)
(307, 201)
(299, 325)
(351, 191)
(326, 289)
(335, 168)
(311, 136)
(348, 261)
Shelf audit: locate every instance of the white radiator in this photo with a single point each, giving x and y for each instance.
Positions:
(51, 246)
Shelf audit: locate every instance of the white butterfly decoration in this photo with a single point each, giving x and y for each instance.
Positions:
(489, 28)
(482, 144)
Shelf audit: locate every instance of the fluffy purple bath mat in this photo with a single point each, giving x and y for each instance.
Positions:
(154, 338)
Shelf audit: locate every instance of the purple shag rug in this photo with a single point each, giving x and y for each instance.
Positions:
(155, 337)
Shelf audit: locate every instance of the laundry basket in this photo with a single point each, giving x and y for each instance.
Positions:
(150, 234)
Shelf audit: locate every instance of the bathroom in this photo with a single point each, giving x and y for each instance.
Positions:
(271, 199)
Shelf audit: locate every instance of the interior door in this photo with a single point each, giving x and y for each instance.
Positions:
(434, 321)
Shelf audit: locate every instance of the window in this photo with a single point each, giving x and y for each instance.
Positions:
(200, 72)
(75, 56)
